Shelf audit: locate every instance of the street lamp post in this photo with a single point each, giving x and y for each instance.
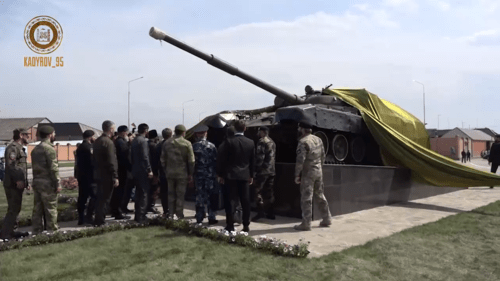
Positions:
(129, 100)
(199, 115)
(423, 89)
(183, 110)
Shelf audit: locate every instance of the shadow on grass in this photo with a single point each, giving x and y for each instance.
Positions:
(485, 213)
(415, 205)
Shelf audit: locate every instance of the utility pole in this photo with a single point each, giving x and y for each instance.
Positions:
(438, 120)
(129, 100)
(183, 110)
(423, 90)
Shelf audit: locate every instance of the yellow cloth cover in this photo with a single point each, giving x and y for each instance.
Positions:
(404, 141)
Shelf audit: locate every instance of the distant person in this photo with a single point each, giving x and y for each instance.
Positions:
(160, 172)
(153, 140)
(75, 168)
(46, 181)
(494, 158)
(464, 156)
(14, 182)
(309, 174)
(177, 158)
(124, 167)
(142, 172)
(129, 191)
(2, 169)
(235, 168)
(85, 179)
(205, 154)
(106, 170)
(468, 155)
(265, 155)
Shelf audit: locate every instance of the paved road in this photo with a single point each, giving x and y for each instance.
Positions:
(64, 172)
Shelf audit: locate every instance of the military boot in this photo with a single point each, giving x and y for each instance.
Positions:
(303, 227)
(325, 222)
(270, 213)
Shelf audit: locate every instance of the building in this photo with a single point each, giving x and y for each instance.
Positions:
(8, 125)
(487, 131)
(67, 135)
(453, 142)
(72, 131)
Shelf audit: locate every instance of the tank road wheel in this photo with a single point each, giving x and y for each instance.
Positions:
(358, 149)
(324, 139)
(340, 147)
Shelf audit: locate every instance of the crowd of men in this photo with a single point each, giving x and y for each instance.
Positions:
(110, 167)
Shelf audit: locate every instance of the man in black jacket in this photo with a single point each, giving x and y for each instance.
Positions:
(85, 178)
(235, 168)
(105, 170)
(153, 140)
(141, 171)
(494, 158)
(122, 155)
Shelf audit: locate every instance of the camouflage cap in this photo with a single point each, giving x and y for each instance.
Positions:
(180, 128)
(47, 130)
(200, 129)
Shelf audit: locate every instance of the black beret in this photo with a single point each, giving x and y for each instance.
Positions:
(264, 128)
(122, 128)
(152, 134)
(305, 125)
(47, 130)
(88, 134)
(200, 129)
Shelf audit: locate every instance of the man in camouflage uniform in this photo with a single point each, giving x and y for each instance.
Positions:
(46, 181)
(160, 172)
(14, 182)
(309, 174)
(205, 154)
(177, 158)
(265, 155)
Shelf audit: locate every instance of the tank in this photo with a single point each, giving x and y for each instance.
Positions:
(345, 136)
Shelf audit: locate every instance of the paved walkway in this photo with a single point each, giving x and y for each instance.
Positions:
(360, 227)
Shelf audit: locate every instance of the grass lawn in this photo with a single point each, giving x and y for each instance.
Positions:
(461, 247)
(66, 164)
(27, 207)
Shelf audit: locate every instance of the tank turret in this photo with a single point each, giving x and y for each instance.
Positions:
(339, 125)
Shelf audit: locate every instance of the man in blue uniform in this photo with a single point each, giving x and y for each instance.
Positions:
(205, 154)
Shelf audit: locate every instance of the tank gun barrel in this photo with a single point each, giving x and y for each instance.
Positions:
(224, 66)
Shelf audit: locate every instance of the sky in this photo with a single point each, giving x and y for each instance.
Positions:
(452, 47)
